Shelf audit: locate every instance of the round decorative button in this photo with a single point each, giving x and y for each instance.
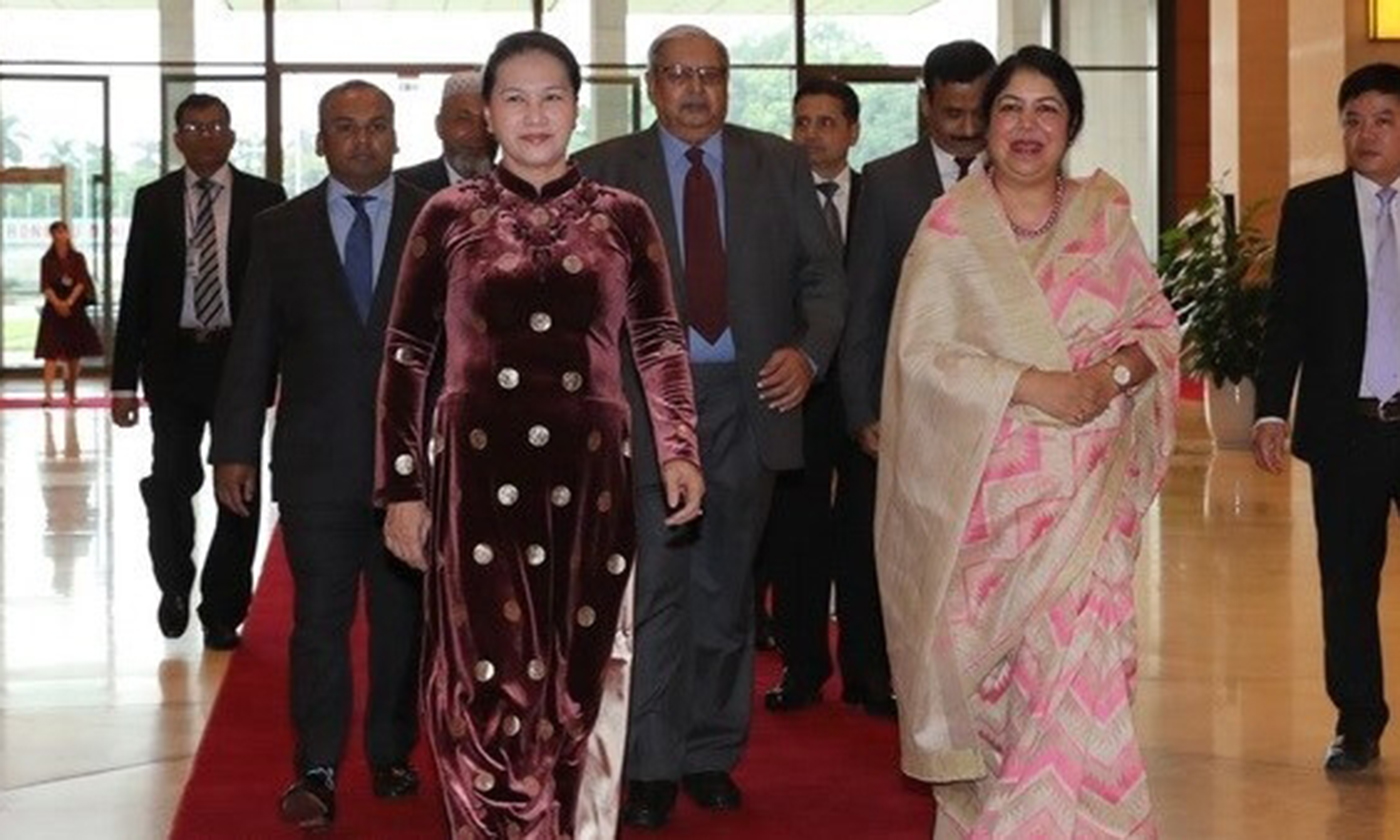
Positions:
(483, 671)
(604, 502)
(511, 610)
(586, 616)
(560, 496)
(595, 440)
(573, 264)
(538, 436)
(507, 494)
(457, 725)
(418, 247)
(477, 438)
(599, 222)
(480, 215)
(484, 781)
(572, 381)
(508, 378)
(617, 564)
(403, 465)
(539, 216)
(483, 554)
(530, 786)
(511, 725)
(540, 321)
(402, 355)
(534, 554)
(545, 730)
(535, 670)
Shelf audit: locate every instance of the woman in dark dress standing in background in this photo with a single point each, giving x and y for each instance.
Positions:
(516, 498)
(66, 334)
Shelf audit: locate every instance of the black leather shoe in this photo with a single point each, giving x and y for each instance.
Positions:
(713, 789)
(1348, 755)
(395, 780)
(217, 637)
(789, 696)
(173, 615)
(310, 801)
(649, 804)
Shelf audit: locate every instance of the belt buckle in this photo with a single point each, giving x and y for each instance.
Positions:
(1389, 411)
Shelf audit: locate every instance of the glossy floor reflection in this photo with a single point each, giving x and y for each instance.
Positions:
(99, 715)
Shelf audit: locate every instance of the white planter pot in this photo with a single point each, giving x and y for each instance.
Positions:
(1230, 413)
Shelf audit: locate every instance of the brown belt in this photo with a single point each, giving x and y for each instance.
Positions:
(1373, 409)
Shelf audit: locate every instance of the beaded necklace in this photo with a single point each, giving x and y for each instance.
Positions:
(1050, 220)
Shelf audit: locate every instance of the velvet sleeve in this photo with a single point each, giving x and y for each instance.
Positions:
(658, 339)
(415, 325)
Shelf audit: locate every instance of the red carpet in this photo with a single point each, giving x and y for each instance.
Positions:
(827, 772)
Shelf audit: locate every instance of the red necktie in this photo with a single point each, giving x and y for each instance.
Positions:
(705, 269)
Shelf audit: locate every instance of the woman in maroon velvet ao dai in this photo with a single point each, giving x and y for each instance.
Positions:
(503, 450)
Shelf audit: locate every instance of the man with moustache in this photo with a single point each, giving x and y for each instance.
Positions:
(896, 191)
(185, 258)
(758, 279)
(320, 283)
(468, 149)
(802, 546)
(1334, 314)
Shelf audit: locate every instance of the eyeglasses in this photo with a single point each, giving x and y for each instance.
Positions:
(213, 129)
(681, 73)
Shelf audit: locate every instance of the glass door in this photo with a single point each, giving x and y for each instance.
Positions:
(55, 165)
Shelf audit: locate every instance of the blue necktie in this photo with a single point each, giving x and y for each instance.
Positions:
(1380, 371)
(359, 256)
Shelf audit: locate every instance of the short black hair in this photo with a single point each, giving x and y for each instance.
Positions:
(1047, 63)
(530, 40)
(345, 87)
(957, 61)
(200, 100)
(54, 227)
(1381, 77)
(835, 88)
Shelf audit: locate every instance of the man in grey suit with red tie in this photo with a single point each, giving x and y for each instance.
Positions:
(185, 258)
(758, 279)
(320, 283)
(1334, 315)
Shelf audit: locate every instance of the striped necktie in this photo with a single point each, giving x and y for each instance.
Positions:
(208, 291)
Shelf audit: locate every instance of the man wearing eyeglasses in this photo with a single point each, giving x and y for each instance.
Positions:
(468, 149)
(757, 276)
(185, 256)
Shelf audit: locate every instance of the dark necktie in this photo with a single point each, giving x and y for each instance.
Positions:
(833, 216)
(208, 297)
(964, 164)
(705, 268)
(359, 256)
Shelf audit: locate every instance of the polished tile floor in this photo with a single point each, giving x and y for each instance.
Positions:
(99, 715)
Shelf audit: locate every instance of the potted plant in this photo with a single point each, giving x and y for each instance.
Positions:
(1216, 275)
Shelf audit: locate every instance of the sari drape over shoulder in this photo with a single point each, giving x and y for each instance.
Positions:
(1005, 538)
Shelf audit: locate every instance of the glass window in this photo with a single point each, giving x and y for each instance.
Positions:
(460, 32)
(889, 119)
(902, 33)
(227, 31)
(40, 32)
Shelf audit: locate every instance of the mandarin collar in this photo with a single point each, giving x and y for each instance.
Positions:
(526, 190)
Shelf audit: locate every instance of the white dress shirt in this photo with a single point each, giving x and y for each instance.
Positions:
(841, 198)
(224, 178)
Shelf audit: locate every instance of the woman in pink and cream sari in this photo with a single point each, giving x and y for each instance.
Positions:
(1029, 405)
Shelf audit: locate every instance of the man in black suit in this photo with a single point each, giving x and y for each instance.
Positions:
(896, 191)
(468, 149)
(801, 543)
(1335, 314)
(185, 258)
(320, 284)
(758, 279)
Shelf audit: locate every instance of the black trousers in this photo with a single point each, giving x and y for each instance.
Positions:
(813, 540)
(178, 423)
(332, 549)
(1354, 489)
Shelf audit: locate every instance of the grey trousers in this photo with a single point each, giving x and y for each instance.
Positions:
(692, 682)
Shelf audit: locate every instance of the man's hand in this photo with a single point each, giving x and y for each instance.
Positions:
(784, 380)
(685, 487)
(236, 486)
(126, 411)
(1270, 445)
(406, 526)
(868, 438)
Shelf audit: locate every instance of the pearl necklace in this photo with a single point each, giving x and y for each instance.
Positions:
(1050, 220)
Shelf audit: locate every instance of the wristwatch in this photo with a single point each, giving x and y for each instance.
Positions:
(1122, 377)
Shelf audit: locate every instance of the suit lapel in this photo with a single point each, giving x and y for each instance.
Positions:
(327, 262)
(927, 172)
(740, 196)
(654, 187)
(404, 213)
